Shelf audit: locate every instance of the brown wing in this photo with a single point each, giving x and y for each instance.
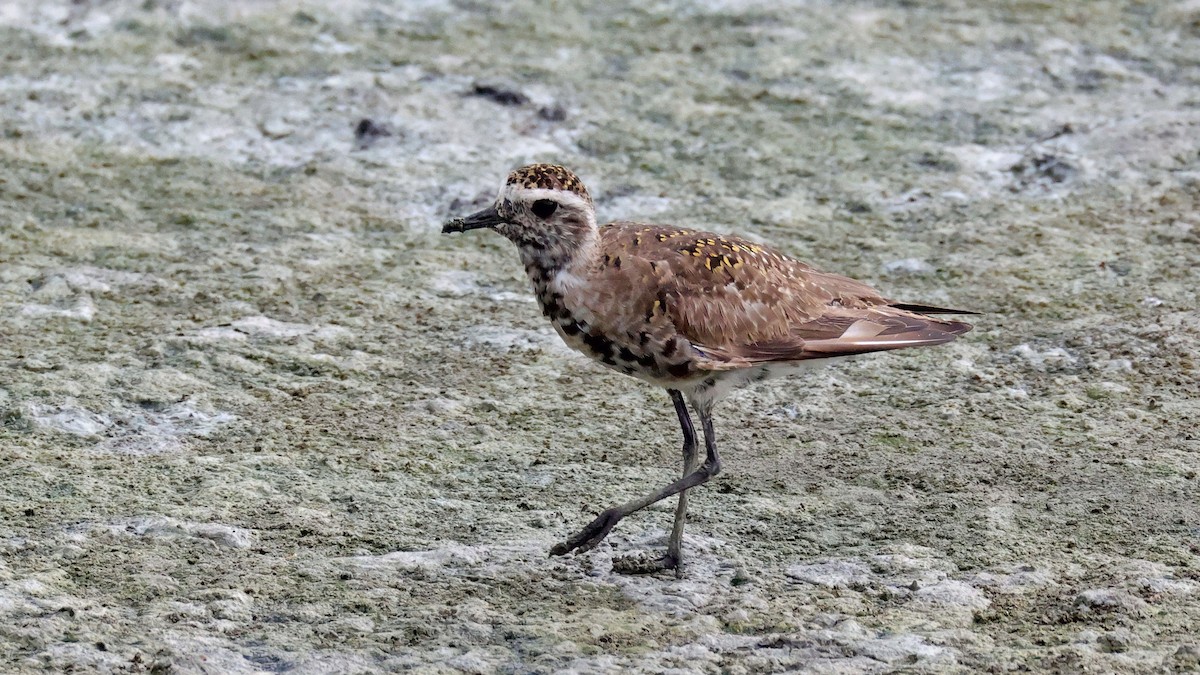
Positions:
(739, 303)
(845, 333)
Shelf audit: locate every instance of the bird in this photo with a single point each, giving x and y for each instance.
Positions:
(696, 313)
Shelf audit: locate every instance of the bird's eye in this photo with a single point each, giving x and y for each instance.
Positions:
(544, 208)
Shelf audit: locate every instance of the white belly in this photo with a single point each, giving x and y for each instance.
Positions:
(720, 385)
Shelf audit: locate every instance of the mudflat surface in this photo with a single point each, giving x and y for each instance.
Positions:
(257, 415)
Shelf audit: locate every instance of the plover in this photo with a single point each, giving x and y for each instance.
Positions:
(696, 313)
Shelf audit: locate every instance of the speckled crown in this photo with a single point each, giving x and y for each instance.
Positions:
(548, 177)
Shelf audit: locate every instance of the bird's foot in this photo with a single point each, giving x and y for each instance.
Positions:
(645, 563)
(593, 534)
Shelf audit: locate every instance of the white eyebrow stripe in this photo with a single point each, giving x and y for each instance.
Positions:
(524, 194)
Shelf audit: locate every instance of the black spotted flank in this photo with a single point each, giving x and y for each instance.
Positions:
(669, 348)
(552, 305)
(679, 369)
(598, 344)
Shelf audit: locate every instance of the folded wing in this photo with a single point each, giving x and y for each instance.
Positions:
(842, 334)
(740, 303)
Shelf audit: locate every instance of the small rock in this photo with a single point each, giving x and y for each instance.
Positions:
(436, 406)
(1108, 601)
(36, 365)
(164, 528)
(1118, 267)
(474, 661)
(1117, 365)
(937, 162)
(264, 327)
(554, 113)
(1043, 167)
(71, 420)
(233, 609)
(354, 625)
(160, 387)
(276, 128)
(1117, 641)
(1045, 359)
(950, 593)
(1186, 658)
(901, 649)
(831, 574)
(52, 288)
(82, 309)
(500, 95)
(367, 131)
(740, 578)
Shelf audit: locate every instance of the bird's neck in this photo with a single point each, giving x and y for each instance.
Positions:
(570, 254)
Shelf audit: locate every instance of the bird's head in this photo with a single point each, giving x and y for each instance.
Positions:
(542, 208)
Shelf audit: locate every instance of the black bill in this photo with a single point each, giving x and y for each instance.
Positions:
(485, 218)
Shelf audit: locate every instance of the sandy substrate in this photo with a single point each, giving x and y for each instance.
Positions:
(257, 415)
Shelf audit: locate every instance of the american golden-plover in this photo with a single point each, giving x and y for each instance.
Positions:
(696, 313)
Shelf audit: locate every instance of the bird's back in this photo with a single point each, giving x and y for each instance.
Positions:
(738, 303)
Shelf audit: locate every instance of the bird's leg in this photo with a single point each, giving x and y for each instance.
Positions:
(674, 557)
(595, 531)
(691, 460)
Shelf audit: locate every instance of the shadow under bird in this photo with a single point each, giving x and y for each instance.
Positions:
(696, 313)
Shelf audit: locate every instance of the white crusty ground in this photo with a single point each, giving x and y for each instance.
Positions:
(257, 415)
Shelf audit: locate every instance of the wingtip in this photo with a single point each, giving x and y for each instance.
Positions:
(957, 328)
(930, 309)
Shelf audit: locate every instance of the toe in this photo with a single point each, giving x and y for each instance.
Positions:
(590, 536)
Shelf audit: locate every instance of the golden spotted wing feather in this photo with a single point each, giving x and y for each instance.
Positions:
(740, 303)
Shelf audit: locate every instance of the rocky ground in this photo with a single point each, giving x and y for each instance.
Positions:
(258, 415)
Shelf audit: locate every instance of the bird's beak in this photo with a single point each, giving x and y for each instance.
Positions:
(485, 218)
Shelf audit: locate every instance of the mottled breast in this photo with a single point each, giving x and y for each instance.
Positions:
(605, 322)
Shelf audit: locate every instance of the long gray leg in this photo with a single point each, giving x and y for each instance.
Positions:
(691, 459)
(640, 564)
(595, 531)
